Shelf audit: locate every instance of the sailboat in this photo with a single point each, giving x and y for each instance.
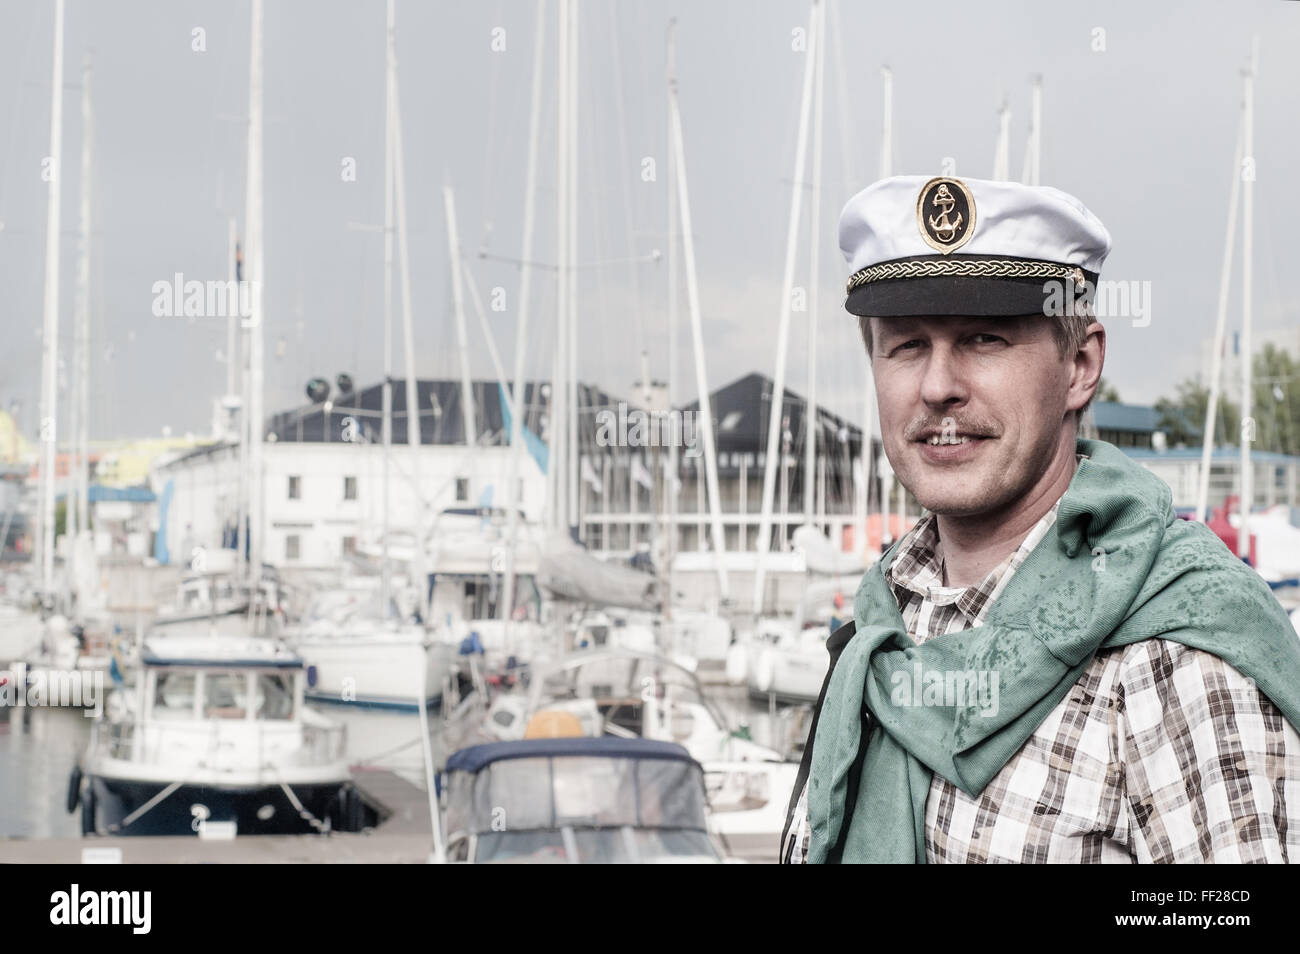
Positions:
(364, 649)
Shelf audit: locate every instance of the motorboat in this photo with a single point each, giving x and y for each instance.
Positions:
(214, 737)
(626, 694)
(577, 800)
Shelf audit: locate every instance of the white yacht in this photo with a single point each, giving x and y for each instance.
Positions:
(214, 735)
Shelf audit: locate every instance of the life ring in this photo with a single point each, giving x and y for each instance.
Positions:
(74, 789)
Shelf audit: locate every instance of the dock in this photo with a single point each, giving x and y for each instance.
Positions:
(402, 837)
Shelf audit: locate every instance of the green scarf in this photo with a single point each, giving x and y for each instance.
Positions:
(1117, 567)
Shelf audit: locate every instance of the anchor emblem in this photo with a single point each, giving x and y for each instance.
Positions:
(944, 230)
(945, 214)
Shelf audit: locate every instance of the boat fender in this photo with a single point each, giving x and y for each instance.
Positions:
(88, 810)
(74, 789)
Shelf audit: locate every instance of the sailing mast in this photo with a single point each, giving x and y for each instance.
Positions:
(78, 508)
(869, 388)
(390, 92)
(1220, 322)
(458, 306)
(50, 331)
(1247, 283)
(697, 339)
(670, 487)
(408, 339)
(558, 404)
(774, 448)
(1002, 152)
(572, 479)
(811, 429)
(253, 274)
(506, 608)
(1034, 144)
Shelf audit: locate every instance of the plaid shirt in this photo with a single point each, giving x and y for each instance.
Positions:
(1159, 753)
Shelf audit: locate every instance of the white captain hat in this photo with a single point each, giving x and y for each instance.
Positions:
(921, 246)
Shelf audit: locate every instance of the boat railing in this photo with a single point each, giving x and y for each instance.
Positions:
(126, 741)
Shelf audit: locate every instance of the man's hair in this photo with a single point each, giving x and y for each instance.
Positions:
(1070, 332)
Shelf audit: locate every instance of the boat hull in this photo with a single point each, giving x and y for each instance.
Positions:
(374, 673)
(258, 810)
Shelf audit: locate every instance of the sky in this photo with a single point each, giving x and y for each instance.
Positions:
(1141, 110)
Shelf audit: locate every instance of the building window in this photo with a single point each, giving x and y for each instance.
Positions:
(462, 489)
(292, 546)
(349, 546)
(295, 487)
(349, 488)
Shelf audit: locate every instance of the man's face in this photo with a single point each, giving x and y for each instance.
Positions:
(971, 409)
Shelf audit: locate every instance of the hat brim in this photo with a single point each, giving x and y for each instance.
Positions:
(964, 295)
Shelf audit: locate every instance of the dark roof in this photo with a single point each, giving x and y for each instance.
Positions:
(441, 420)
(1113, 416)
(477, 757)
(741, 410)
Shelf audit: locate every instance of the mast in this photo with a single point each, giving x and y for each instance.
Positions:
(774, 448)
(232, 323)
(697, 339)
(1034, 144)
(78, 508)
(241, 501)
(1002, 153)
(869, 388)
(670, 489)
(1220, 322)
(571, 474)
(458, 302)
(559, 412)
(1247, 289)
(506, 608)
(390, 94)
(811, 429)
(253, 269)
(50, 331)
(408, 352)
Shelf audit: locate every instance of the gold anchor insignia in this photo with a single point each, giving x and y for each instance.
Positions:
(945, 214)
(945, 230)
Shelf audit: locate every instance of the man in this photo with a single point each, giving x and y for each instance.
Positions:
(1049, 667)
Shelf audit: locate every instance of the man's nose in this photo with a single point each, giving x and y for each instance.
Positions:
(943, 383)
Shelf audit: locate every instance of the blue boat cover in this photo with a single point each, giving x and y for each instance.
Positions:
(477, 757)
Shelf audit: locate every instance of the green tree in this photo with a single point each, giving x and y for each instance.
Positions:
(1183, 416)
(1106, 392)
(1276, 390)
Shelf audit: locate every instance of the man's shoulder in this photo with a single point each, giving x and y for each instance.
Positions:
(1156, 675)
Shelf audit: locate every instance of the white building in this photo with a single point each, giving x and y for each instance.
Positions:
(323, 477)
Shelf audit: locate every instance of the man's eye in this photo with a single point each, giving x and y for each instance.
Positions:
(910, 345)
(984, 338)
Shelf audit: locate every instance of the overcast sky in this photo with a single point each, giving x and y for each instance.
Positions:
(1142, 131)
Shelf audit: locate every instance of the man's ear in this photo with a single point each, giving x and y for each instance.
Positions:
(1085, 370)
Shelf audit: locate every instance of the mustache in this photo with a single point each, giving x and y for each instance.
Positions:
(974, 426)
